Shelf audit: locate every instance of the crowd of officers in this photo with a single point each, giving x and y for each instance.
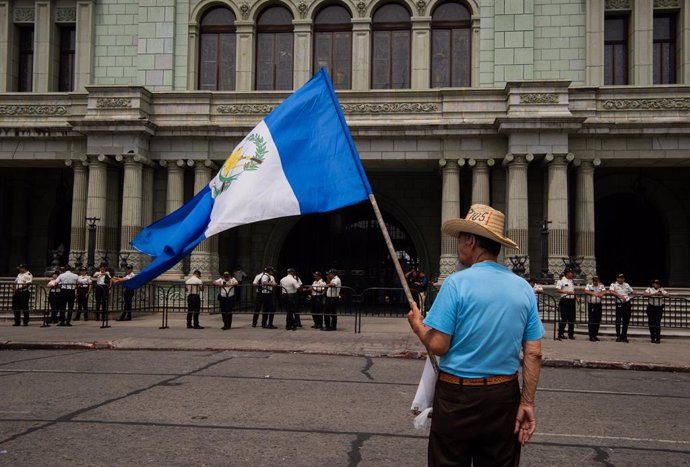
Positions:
(594, 291)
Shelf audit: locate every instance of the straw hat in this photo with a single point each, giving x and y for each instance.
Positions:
(480, 220)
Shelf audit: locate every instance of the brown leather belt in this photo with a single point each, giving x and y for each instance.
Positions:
(491, 380)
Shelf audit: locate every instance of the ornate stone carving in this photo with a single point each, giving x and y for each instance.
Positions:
(539, 98)
(447, 266)
(665, 103)
(362, 9)
(114, 102)
(666, 3)
(302, 8)
(421, 7)
(244, 9)
(40, 110)
(617, 5)
(23, 15)
(398, 107)
(66, 15)
(244, 109)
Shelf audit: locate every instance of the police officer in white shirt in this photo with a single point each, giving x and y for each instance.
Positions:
(655, 309)
(264, 298)
(54, 298)
(226, 297)
(536, 288)
(333, 285)
(595, 290)
(127, 294)
(317, 288)
(68, 286)
(566, 288)
(83, 288)
(290, 284)
(624, 293)
(102, 278)
(22, 295)
(194, 286)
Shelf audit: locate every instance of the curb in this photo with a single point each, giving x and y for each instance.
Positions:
(547, 362)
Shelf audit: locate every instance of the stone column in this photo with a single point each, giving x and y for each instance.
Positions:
(421, 58)
(642, 35)
(147, 196)
(475, 44)
(175, 197)
(361, 56)
(45, 78)
(6, 27)
(450, 209)
(557, 209)
(244, 64)
(77, 244)
(481, 186)
(202, 257)
(684, 46)
(594, 40)
(96, 205)
(584, 215)
(112, 217)
(132, 201)
(83, 56)
(303, 56)
(517, 218)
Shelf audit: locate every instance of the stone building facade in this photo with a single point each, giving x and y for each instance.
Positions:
(569, 114)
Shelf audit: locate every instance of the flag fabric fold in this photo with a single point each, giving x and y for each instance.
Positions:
(300, 159)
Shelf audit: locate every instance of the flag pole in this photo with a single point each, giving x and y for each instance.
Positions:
(398, 267)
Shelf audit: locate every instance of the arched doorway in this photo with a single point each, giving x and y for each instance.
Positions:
(630, 238)
(350, 241)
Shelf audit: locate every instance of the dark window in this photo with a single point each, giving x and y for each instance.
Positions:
(391, 47)
(665, 49)
(68, 36)
(616, 50)
(333, 44)
(450, 46)
(26, 59)
(274, 49)
(217, 50)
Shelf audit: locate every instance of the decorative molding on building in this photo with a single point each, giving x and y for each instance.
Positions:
(617, 5)
(666, 103)
(421, 7)
(362, 8)
(666, 3)
(65, 15)
(539, 98)
(24, 15)
(303, 8)
(114, 102)
(244, 109)
(399, 107)
(41, 110)
(244, 9)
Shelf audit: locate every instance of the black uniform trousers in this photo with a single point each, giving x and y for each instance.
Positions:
(654, 314)
(291, 311)
(101, 300)
(226, 305)
(264, 303)
(473, 425)
(193, 309)
(331, 314)
(623, 312)
(20, 306)
(82, 303)
(67, 297)
(55, 301)
(317, 310)
(567, 307)
(594, 318)
(127, 297)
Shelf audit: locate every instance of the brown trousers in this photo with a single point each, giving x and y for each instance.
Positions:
(473, 425)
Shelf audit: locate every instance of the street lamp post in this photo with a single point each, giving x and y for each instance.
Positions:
(545, 277)
(91, 256)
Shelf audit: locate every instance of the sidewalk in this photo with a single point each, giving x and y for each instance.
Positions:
(380, 337)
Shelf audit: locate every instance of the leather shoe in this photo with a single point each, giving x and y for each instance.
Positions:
(562, 337)
(16, 324)
(189, 326)
(271, 327)
(225, 328)
(625, 340)
(198, 327)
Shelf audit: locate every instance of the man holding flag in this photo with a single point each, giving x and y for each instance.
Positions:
(280, 168)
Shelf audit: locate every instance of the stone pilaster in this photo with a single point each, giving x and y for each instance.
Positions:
(77, 244)
(245, 55)
(361, 56)
(303, 55)
(5, 47)
(83, 56)
(421, 59)
(96, 204)
(205, 256)
(584, 216)
(175, 197)
(112, 217)
(481, 185)
(450, 209)
(594, 40)
(642, 35)
(517, 216)
(45, 66)
(557, 210)
(132, 208)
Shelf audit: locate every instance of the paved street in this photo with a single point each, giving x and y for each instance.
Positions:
(86, 407)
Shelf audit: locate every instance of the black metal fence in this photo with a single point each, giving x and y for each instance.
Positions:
(167, 298)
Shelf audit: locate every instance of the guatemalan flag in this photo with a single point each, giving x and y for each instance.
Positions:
(300, 159)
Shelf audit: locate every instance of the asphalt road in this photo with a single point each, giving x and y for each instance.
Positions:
(255, 409)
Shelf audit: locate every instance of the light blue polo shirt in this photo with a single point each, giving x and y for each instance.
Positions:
(489, 312)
